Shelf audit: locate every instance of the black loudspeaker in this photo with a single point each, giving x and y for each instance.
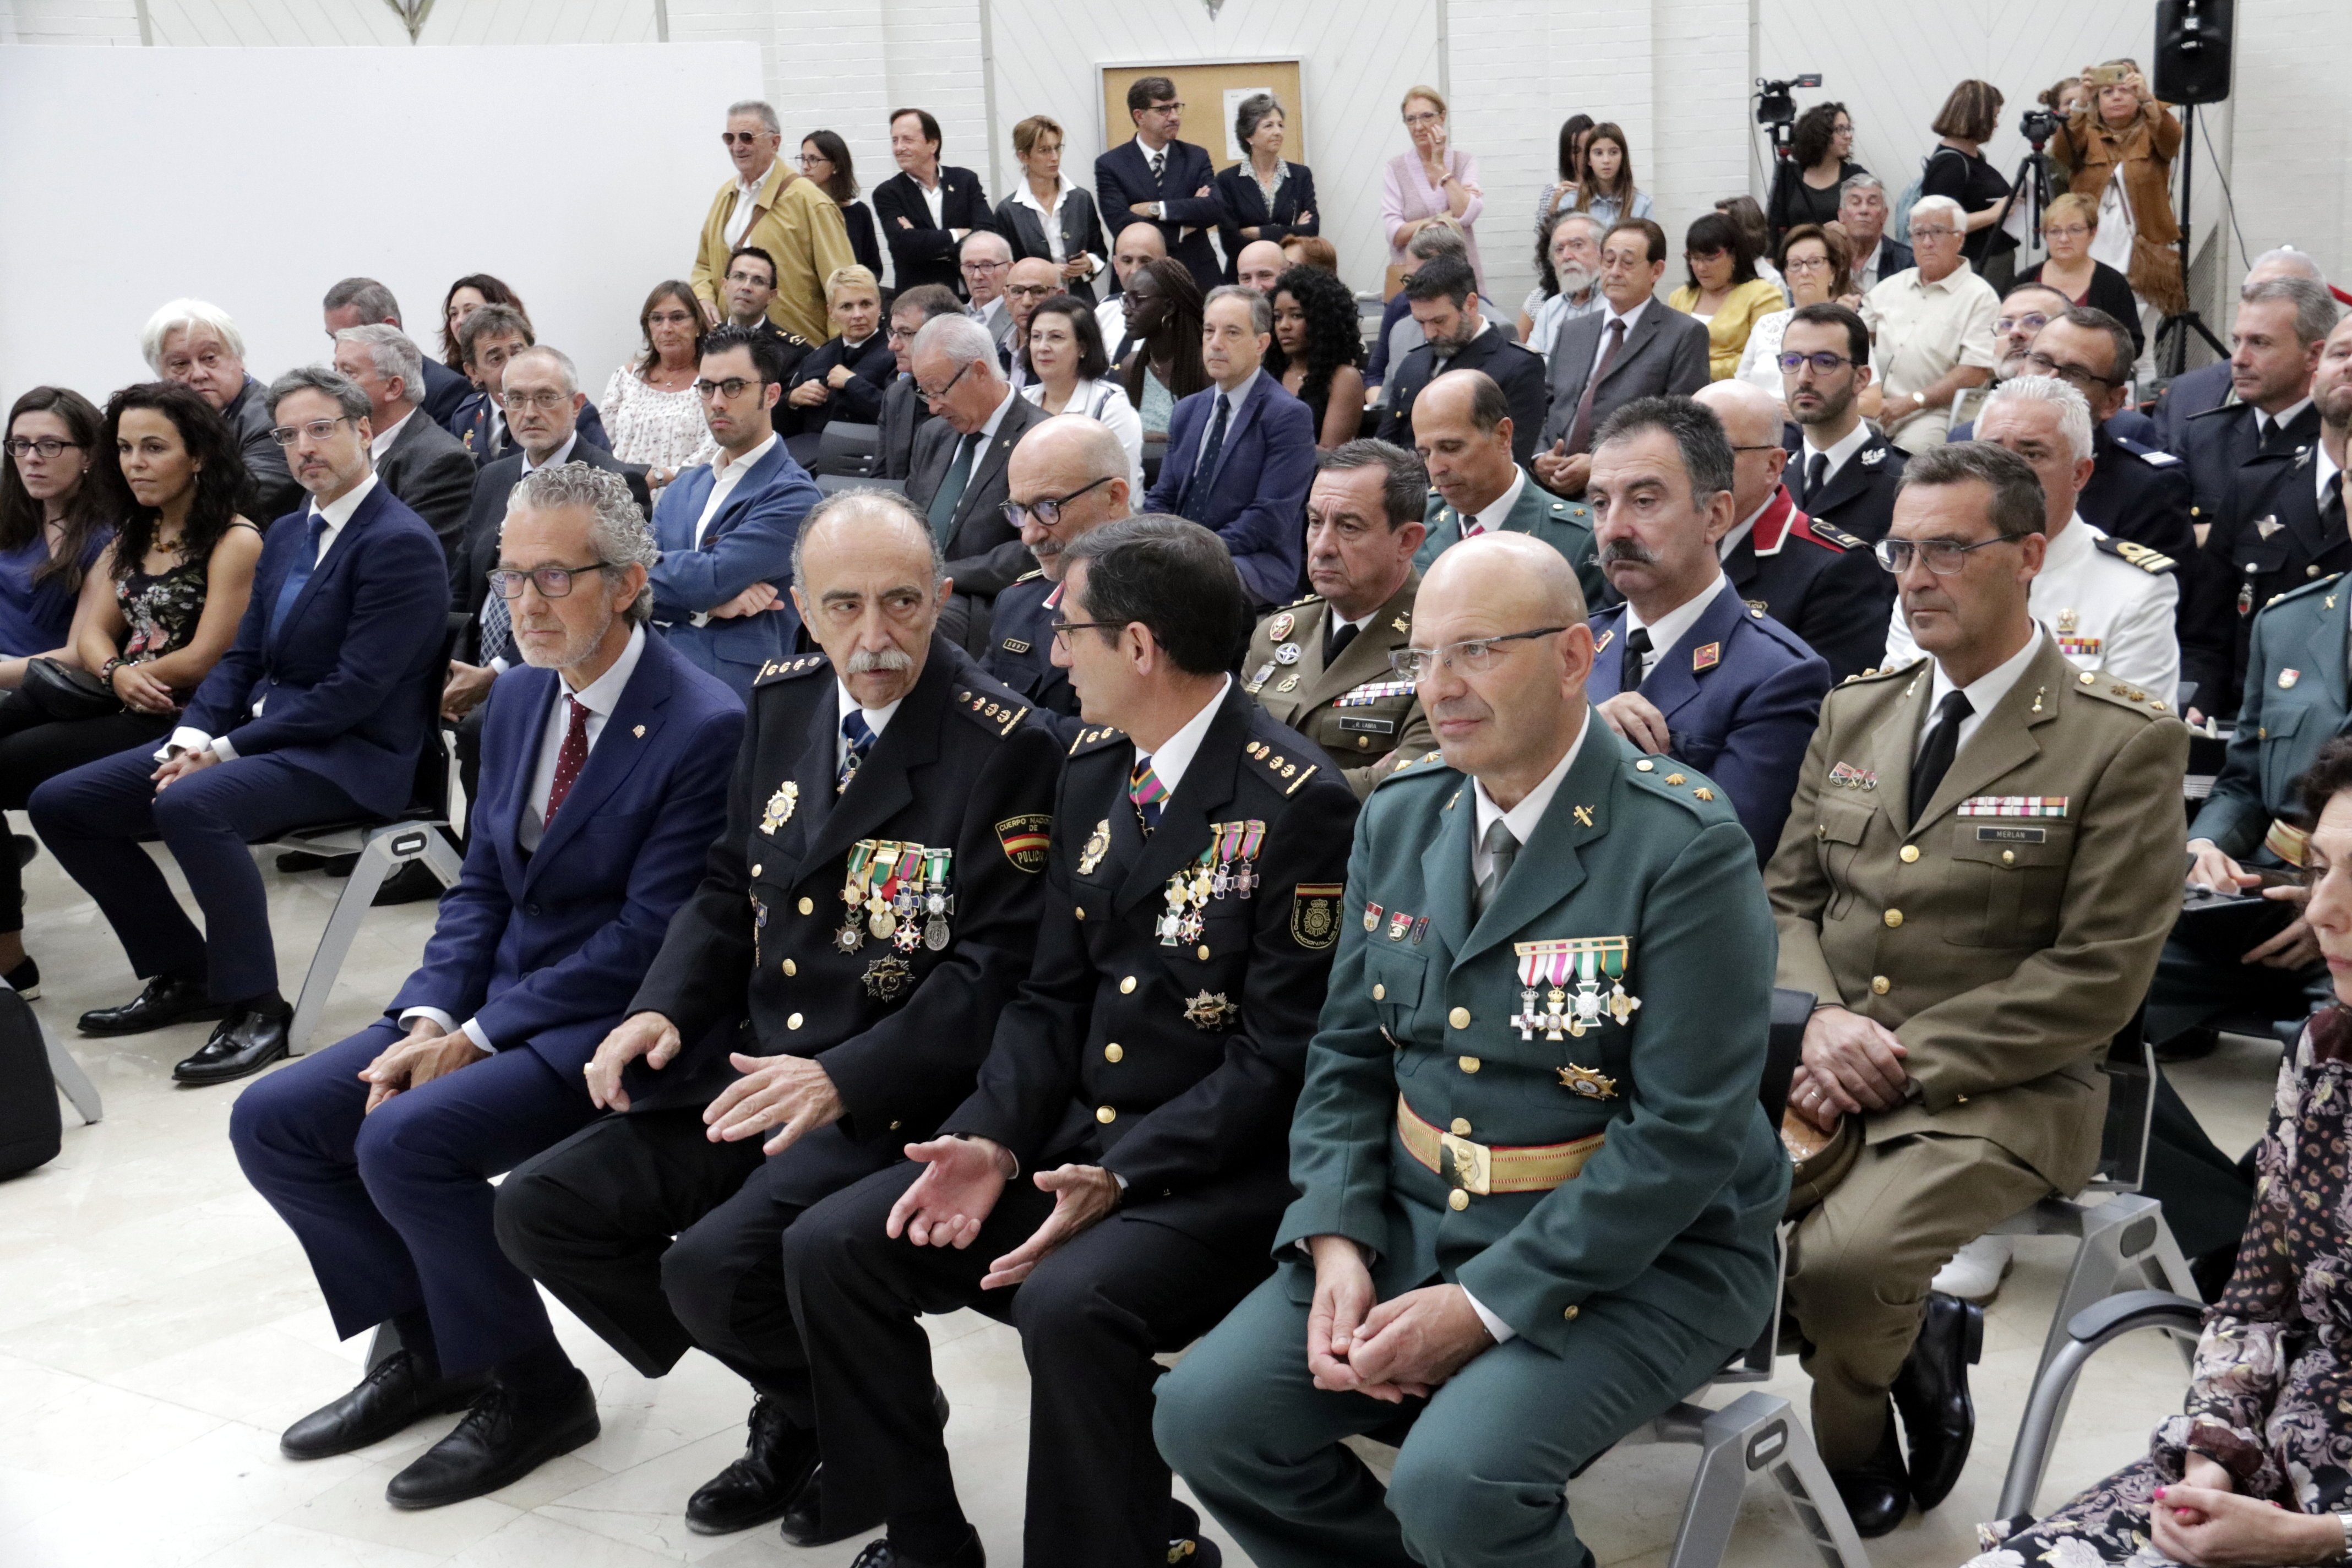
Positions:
(2192, 49)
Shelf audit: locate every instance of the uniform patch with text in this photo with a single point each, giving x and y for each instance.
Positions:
(1026, 838)
(1315, 913)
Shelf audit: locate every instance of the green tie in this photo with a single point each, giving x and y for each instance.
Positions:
(952, 487)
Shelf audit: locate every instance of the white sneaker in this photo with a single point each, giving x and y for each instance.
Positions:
(1976, 1271)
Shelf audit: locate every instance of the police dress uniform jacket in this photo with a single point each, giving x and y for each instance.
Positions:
(1020, 653)
(2269, 538)
(1664, 1180)
(2186, 395)
(1740, 693)
(2138, 491)
(2008, 933)
(1356, 709)
(1175, 1065)
(757, 960)
(1819, 581)
(1565, 525)
(1860, 497)
(2295, 703)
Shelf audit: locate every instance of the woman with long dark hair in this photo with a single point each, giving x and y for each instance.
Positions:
(1723, 293)
(1606, 187)
(1561, 195)
(1805, 184)
(651, 409)
(825, 158)
(1164, 321)
(1318, 346)
(1071, 374)
(156, 613)
(53, 521)
(466, 296)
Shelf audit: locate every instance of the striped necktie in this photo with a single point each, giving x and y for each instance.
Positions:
(1144, 788)
(860, 736)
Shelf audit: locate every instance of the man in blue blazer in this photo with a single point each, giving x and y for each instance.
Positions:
(604, 784)
(1156, 179)
(725, 529)
(1686, 668)
(1241, 454)
(315, 715)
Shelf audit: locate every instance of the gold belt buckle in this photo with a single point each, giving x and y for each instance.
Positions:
(1469, 1166)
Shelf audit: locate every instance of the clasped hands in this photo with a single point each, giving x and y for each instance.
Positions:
(181, 764)
(1391, 1350)
(1562, 472)
(2293, 948)
(787, 1096)
(958, 1189)
(2203, 1521)
(1849, 1064)
(424, 1055)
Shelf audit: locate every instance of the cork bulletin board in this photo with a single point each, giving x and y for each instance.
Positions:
(1211, 90)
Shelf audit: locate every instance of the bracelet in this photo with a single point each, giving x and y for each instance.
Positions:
(106, 671)
(2343, 1522)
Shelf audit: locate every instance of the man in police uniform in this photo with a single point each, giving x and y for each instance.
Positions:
(2138, 490)
(2109, 602)
(1320, 664)
(1976, 874)
(1814, 578)
(1067, 475)
(1845, 472)
(1535, 1183)
(1463, 438)
(1683, 667)
(1121, 1160)
(887, 774)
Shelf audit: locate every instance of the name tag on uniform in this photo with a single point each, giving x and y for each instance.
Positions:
(2014, 805)
(1014, 645)
(2012, 835)
(1369, 726)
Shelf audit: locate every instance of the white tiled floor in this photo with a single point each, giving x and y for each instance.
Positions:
(158, 1327)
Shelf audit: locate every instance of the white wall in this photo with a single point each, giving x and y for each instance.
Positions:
(262, 219)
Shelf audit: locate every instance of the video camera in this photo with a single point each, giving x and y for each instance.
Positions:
(2037, 125)
(1776, 110)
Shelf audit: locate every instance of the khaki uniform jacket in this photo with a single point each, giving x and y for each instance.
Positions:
(2007, 951)
(799, 226)
(1382, 726)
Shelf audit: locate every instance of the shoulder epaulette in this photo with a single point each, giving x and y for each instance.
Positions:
(1829, 533)
(791, 669)
(2154, 456)
(1030, 576)
(1694, 790)
(2217, 408)
(1307, 599)
(1889, 673)
(1287, 773)
(1426, 765)
(2155, 562)
(1094, 740)
(2305, 589)
(2105, 688)
(992, 708)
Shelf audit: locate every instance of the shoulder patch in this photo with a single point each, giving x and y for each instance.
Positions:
(1094, 740)
(1698, 794)
(990, 706)
(2102, 686)
(1031, 576)
(2305, 589)
(1829, 533)
(2154, 562)
(2154, 456)
(1869, 677)
(1309, 599)
(791, 669)
(1285, 773)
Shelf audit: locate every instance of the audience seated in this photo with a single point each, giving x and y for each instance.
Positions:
(844, 378)
(1862, 213)
(958, 483)
(1808, 185)
(1164, 327)
(494, 334)
(1956, 1044)
(420, 463)
(1257, 267)
(1265, 197)
(466, 296)
(1067, 475)
(769, 203)
(378, 1152)
(1162, 180)
(56, 517)
(1847, 473)
(1317, 350)
(750, 286)
(1069, 374)
(1321, 665)
(1311, 250)
(724, 530)
(159, 606)
(1544, 1297)
(1456, 336)
(2025, 309)
(1138, 243)
(904, 412)
(1435, 181)
(316, 714)
(1633, 347)
(1029, 283)
(927, 208)
(2138, 490)
(825, 159)
(1932, 325)
(2193, 392)
(1568, 261)
(739, 1125)
(656, 412)
(1465, 439)
(1399, 333)
(1748, 218)
(985, 261)
(365, 302)
(1814, 259)
(1049, 218)
(2070, 226)
(1240, 453)
(196, 345)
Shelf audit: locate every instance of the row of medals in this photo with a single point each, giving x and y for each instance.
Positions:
(914, 913)
(1228, 865)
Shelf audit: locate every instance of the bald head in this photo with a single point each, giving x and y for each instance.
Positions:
(1259, 264)
(1511, 576)
(1138, 243)
(1751, 420)
(1073, 468)
(872, 525)
(1028, 285)
(1462, 429)
(1508, 717)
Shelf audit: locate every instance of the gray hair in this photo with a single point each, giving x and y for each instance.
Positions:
(1697, 434)
(1436, 239)
(1405, 483)
(565, 371)
(1251, 112)
(985, 239)
(1261, 309)
(865, 503)
(962, 340)
(2314, 307)
(319, 378)
(761, 108)
(2074, 408)
(186, 315)
(371, 298)
(1562, 220)
(1936, 204)
(617, 534)
(2286, 255)
(491, 320)
(393, 353)
(2017, 500)
(1859, 180)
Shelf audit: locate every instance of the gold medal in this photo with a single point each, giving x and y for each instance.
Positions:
(1097, 845)
(779, 807)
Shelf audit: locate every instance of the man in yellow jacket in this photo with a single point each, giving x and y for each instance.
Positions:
(769, 205)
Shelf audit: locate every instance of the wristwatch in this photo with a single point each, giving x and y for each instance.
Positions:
(1918, 400)
(2343, 1522)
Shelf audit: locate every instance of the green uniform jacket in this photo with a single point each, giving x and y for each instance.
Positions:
(1676, 1208)
(1381, 724)
(2004, 950)
(1565, 525)
(2296, 702)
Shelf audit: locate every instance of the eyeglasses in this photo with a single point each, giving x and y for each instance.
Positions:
(1173, 107)
(928, 395)
(1944, 556)
(1061, 629)
(550, 400)
(1477, 655)
(2032, 321)
(731, 388)
(47, 446)
(1806, 264)
(2072, 231)
(1026, 290)
(2045, 365)
(1422, 119)
(1919, 234)
(1823, 363)
(317, 429)
(1703, 255)
(1047, 510)
(808, 158)
(743, 138)
(978, 266)
(554, 581)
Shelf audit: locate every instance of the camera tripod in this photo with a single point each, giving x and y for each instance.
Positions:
(2171, 346)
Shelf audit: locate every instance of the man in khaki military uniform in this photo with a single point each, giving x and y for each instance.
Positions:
(1978, 871)
(1320, 664)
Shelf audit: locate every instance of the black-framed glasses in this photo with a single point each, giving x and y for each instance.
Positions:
(1047, 510)
(1944, 557)
(928, 395)
(2044, 365)
(46, 445)
(317, 429)
(1823, 363)
(1061, 629)
(553, 582)
(731, 388)
(1475, 654)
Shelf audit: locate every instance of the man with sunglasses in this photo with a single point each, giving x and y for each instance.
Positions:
(1978, 870)
(770, 205)
(1068, 474)
(1841, 470)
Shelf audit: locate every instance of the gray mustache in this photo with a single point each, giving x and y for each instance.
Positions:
(865, 661)
(1618, 551)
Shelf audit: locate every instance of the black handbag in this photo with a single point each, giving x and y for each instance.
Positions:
(65, 692)
(31, 1130)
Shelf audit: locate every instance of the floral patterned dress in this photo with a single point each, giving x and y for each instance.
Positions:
(161, 609)
(2271, 1398)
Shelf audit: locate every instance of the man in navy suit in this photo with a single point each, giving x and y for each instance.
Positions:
(1159, 180)
(315, 715)
(1241, 454)
(1685, 668)
(480, 420)
(365, 302)
(603, 789)
(725, 529)
(1444, 299)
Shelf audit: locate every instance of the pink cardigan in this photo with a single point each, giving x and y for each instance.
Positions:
(1406, 196)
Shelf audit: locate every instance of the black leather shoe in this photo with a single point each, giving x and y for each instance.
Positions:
(244, 1042)
(882, 1554)
(411, 884)
(1877, 1494)
(778, 1460)
(399, 1392)
(165, 1001)
(25, 980)
(2189, 1045)
(1939, 1419)
(1187, 1547)
(500, 1441)
(803, 1518)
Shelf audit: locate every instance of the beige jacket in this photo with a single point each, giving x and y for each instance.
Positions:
(798, 224)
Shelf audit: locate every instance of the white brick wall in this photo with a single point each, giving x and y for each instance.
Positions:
(2294, 175)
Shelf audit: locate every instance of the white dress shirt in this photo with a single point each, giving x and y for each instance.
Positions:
(935, 195)
(2326, 474)
(1176, 752)
(1985, 693)
(1050, 219)
(747, 202)
(1631, 319)
(1489, 518)
(337, 512)
(1741, 530)
(1234, 401)
(2263, 423)
(1672, 625)
(877, 720)
(599, 697)
(726, 474)
(381, 442)
(1839, 454)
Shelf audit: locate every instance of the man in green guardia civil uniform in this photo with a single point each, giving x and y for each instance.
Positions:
(1538, 1192)
(1464, 438)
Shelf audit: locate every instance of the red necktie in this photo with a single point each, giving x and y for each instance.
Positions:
(570, 759)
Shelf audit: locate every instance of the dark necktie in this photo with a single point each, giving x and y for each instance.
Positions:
(1816, 474)
(1344, 634)
(305, 566)
(2331, 510)
(1148, 794)
(570, 759)
(1579, 429)
(951, 487)
(1206, 470)
(1159, 167)
(1629, 667)
(1502, 848)
(860, 735)
(1936, 756)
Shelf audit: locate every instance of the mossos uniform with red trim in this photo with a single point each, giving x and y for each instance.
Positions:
(1816, 579)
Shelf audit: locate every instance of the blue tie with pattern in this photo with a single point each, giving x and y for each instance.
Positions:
(300, 574)
(860, 735)
(1196, 493)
